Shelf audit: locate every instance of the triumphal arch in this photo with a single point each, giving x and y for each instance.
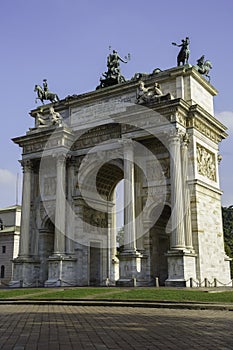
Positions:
(157, 132)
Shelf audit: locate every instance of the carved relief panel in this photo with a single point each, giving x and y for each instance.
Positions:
(206, 164)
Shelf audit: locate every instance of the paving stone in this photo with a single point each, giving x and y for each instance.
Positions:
(64, 327)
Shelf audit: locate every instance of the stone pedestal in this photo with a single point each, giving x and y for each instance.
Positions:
(181, 267)
(26, 273)
(131, 270)
(61, 271)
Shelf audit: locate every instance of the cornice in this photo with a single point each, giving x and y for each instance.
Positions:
(42, 134)
(206, 123)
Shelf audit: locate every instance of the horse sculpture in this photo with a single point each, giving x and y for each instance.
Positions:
(42, 95)
(204, 69)
(183, 55)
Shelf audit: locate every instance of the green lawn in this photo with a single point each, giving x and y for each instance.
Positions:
(157, 294)
(14, 293)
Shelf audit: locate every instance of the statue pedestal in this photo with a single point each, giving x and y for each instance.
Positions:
(131, 269)
(181, 267)
(26, 273)
(61, 271)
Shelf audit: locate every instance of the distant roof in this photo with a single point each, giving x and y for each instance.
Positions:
(11, 208)
(10, 229)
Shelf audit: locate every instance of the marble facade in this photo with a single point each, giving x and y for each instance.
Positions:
(166, 151)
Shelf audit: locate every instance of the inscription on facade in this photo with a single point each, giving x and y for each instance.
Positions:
(80, 115)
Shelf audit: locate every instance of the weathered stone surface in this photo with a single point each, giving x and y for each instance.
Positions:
(167, 153)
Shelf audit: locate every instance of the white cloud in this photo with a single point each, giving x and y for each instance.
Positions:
(6, 177)
(226, 118)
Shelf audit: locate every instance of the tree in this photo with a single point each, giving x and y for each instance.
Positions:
(120, 238)
(227, 216)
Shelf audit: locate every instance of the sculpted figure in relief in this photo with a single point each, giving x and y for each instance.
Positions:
(55, 117)
(206, 163)
(147, 95)
(40, 120)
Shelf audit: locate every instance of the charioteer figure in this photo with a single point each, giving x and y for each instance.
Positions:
(113, 75)
(113, 62)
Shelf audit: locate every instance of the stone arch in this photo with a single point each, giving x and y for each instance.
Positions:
(46, 246)
(97, 251)
(159, 237)
(101, 267)
(108, 177)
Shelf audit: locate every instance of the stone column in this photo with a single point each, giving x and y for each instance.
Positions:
(26, 209)
(62, 267)
(187, 210)
(60, 212)
(131, 271)
(113, 262)
(181, 261)
(138, 210)
(177, 235)
(129, 198)
(70, 211)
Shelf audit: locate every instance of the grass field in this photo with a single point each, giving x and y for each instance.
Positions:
(112, 293)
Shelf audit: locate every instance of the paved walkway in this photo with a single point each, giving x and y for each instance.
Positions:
(65, 327)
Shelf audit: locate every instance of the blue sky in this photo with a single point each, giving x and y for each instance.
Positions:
(66, 41)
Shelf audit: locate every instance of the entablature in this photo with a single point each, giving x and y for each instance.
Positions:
(205, 123)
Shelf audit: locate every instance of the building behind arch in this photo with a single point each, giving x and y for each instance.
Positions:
(10, 218)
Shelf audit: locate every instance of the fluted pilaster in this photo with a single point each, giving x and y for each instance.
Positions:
(129, 197)
(26, 209)
(177, 236)
(60, 211)
(186, 193)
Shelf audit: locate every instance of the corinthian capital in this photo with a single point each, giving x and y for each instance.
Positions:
(60, 157)
(185, 140)
(126, 143)
(26, 165)
(175, 135)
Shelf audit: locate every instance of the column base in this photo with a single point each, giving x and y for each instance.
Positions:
(61, 271)
(175, 283)
(26, 273)
(131, 269)
(181, 267)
